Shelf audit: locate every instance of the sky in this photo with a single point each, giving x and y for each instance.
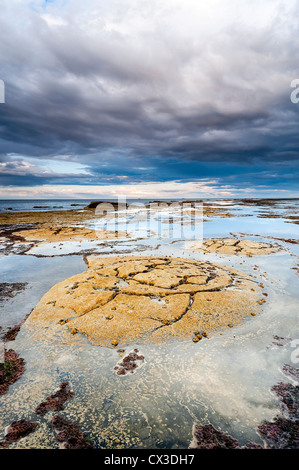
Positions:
(149, 99)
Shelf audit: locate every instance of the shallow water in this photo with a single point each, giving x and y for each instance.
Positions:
(40, 274)
(224, 380)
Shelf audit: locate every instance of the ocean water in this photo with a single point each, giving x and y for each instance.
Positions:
(236, 205)
(24, 205)
(36, 205)
(225, 381)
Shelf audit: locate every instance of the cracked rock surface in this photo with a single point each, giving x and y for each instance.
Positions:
(118, 301)
(62, 234)
(233, 246)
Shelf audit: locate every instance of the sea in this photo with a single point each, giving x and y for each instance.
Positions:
(28, 205)
(224, 380)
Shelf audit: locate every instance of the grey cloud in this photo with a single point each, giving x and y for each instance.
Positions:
(109, 81)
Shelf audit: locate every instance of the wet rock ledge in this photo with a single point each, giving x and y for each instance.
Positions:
(118, 301)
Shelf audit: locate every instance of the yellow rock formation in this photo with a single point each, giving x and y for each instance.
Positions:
(233, 246)
(147, 299)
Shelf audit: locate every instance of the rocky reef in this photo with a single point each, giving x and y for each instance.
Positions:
(69, 434)
(11, 370)
(11, 333)
(129, 363)
(121, 300)
(46, 234)
(19, 429)
(281, 433)
(207, 437)
(8, 290)
(234, 246)
(56, 400)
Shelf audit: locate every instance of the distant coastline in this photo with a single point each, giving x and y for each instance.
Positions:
(40, 205)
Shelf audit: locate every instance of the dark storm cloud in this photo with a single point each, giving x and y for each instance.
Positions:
(148, 92)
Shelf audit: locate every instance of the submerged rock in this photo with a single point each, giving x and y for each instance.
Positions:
(11, 370)
(280, 434)
(290, 371)
(280, 341)
(8, 290)
(69, 434)
(49, 234)
(283, 431)
(12, 333)
(57, 400)
(129, 363)
(207, 437)
(19, 429)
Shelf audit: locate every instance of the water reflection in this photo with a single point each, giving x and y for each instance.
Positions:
(224, 380)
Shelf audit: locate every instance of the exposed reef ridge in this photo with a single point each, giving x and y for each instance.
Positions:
(151, 299)
(233, 246)
(61, 234)
(20, 232)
